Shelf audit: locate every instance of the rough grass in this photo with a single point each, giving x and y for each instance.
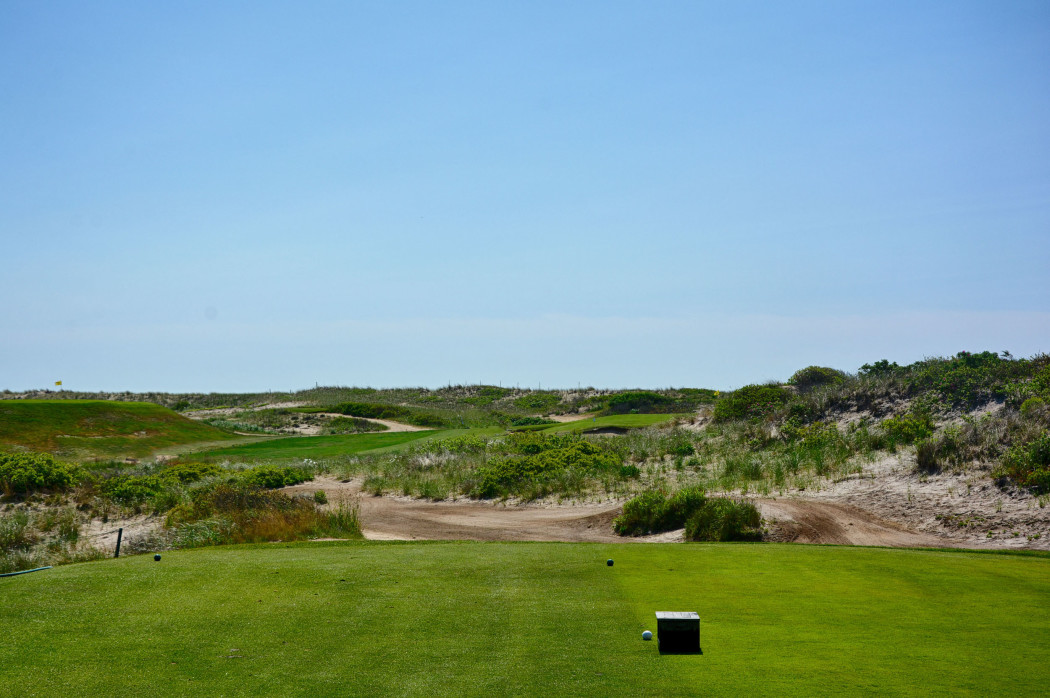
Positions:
(476, 619)
(85, 429)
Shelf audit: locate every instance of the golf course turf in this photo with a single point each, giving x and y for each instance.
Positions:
(487, 619)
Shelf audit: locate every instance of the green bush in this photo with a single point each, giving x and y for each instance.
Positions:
(1028, 464)
(643, 402)
(352, 425)
(967, 379)
(811, 377)
(131, 489)
(751, 402)
(653, 511)
(190, 472)
(882, 368)
(641, 515)
(1033, 406)
(907, 429)
(271, 477)
(532, 459)
(723, 519)
(530, 421)
(538, 402)
(21, 473)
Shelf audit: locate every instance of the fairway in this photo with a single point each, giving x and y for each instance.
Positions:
(295, 447)
(488, 619)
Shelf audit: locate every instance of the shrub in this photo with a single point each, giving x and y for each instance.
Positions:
(629, 471)
(723, 519)
(190, 472)
(271, 477)
(22, 473)
(15, 532)
(641, 515)
(530, 421)
(239, 512)
(1033, 406)
(538, 402)
(131, 489)
(927, 458)
(352, 425)
(654, 511)
(1028, 464)
(320, 497)
(881, 368)
(907, 429)
(638, 401)
(811, 377)
(751, 402)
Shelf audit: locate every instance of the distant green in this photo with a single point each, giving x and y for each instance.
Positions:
(484, 619)
(84, 429)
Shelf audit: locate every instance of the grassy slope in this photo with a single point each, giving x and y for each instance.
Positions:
(529, 619)
(330, 446)
(98, 428)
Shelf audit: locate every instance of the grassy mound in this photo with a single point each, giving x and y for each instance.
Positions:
(83, 429)
(475, 619)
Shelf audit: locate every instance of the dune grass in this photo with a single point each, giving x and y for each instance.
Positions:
(85, 429)
(482, 619)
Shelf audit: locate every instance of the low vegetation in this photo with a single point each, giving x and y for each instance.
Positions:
(703, 518)
(685, 458)
(48, 503)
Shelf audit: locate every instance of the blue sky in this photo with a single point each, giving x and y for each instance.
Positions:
(258, 195)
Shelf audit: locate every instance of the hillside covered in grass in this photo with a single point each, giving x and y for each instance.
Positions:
(452, 407)
(81, 429)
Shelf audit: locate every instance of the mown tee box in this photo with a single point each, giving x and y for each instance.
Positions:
(678, 631)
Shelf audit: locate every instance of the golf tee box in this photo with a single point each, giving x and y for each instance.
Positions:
(678, 632)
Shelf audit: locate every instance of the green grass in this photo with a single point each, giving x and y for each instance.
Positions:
(616, 421)
(331, 446)
(85, 429)
(528, 619)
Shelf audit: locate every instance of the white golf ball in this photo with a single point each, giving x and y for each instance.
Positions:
(647, 635)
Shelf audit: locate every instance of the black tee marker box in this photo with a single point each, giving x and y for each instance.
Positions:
(678, 632)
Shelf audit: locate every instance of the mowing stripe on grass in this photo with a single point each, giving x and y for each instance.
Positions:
(526, 619)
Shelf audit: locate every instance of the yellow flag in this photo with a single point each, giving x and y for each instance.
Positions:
(58, 382)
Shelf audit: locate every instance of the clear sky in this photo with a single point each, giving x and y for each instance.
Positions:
(242, 196)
